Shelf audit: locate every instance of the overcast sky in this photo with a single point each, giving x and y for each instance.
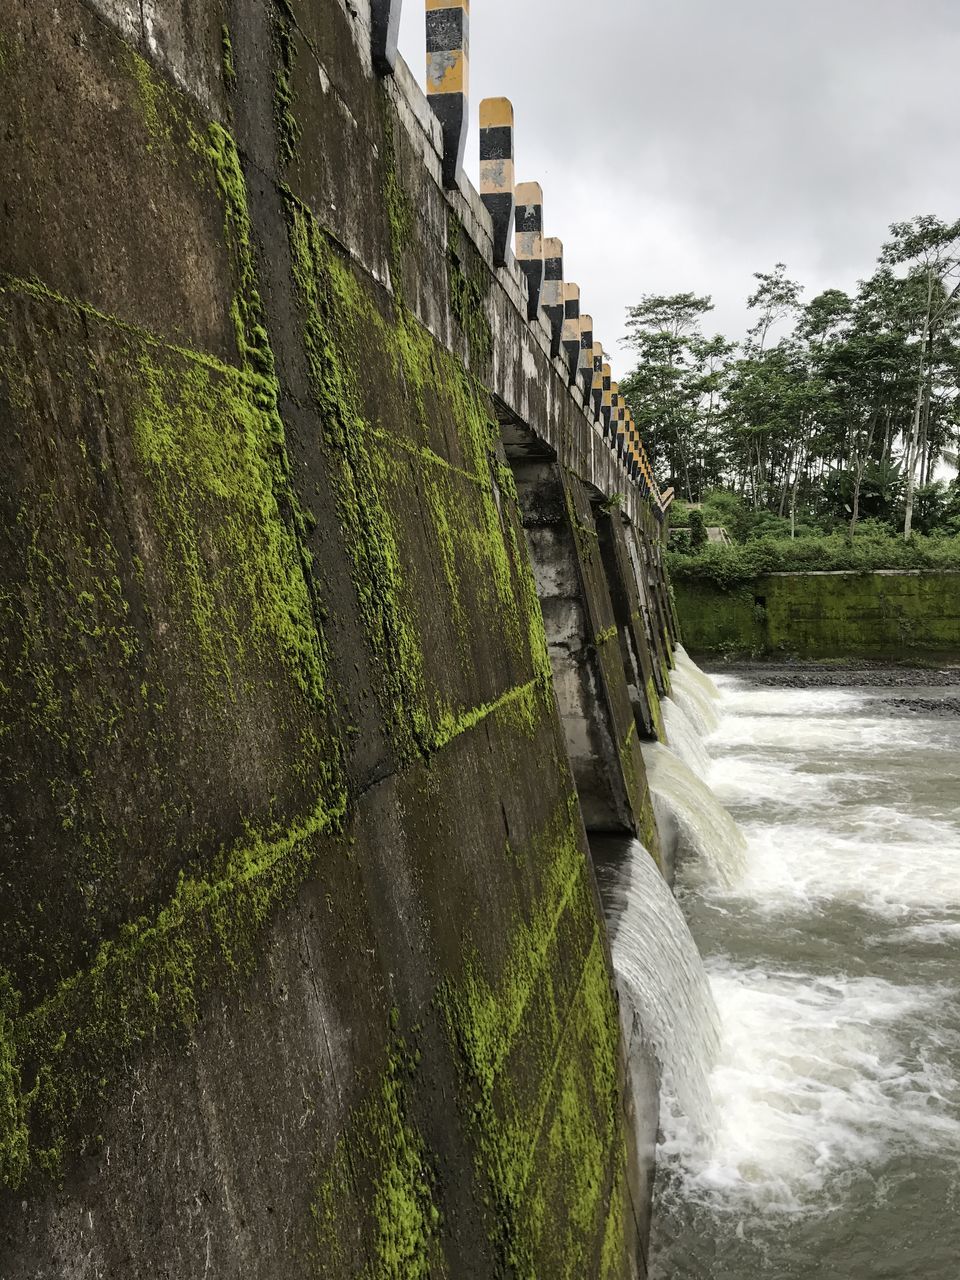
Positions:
(685, 144)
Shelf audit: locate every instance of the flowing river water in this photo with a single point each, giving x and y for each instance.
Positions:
(810, 1121)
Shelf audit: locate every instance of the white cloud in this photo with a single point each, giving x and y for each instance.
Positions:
(685, 144)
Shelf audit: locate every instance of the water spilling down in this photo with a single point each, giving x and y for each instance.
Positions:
(810, 1122)
(662, 980)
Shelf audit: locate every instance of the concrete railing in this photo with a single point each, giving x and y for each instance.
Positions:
(551, 302)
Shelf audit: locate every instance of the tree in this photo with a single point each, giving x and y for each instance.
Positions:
(827, 411)
(775, 298)
(929, 249)
(664, 332)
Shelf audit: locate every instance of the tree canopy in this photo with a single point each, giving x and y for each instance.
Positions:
(830, 410)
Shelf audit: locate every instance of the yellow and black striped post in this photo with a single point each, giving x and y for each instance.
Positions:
(553, 290)
(384, 30)
(571, 328)
(529, 218)
(648, 476)
(614, 412)
(606, 402)
(497, 176)
(596, 387)
(586, 357)
(448, 49)
(633, 443)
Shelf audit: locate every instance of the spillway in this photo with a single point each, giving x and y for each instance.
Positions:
(818, 869)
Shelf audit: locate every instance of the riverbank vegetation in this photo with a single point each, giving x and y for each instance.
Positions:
(835, 418)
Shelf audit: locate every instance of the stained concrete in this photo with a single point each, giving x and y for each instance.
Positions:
(302, 966)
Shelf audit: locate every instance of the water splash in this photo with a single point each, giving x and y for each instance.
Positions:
(833, 962)
(663, 983)
(694, 691)
(812, 1080)
(711, 845)
(685, 738)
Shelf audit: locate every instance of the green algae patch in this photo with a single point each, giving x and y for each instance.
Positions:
(614, 1248)
(656, 711)
(167, 126)
(538, 1049)
(216, 465)
(380, 1187)
(215, 563)
(468, 284)
(14, 1131)
(148, 981)
(228, 67)
(417, 479)
(910, 615)
(287, 125)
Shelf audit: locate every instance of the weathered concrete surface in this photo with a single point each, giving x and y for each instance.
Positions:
(585, 651)
(887, 615)
(627, 595)
(302, 969)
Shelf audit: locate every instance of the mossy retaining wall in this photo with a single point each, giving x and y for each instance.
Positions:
(302, 968)
(890, 615)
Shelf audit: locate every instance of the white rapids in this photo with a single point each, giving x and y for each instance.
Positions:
(821, 873)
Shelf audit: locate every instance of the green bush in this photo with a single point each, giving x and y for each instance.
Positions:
(871, 549)
(698, 532)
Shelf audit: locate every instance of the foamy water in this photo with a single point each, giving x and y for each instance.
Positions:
(832, 948)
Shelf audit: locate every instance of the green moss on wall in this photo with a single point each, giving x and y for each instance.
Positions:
(469, 287)
(14, 1131)
(887, 616)
(75, 1045)
(225, 530)
(288, 127)
(217, 468)
(551, 1147)
(228, 66)
(473, 543)
(656, 711)
(396, 1220)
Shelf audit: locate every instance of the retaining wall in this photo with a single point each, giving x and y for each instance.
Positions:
(302, 967)
(889, 615)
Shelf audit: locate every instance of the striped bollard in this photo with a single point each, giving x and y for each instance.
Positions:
(596, 389)
(448, 32)
(586, 357)
(571, 328)
(614, 412)
(553, 291)
(497, 172)
(529, 217)
(384, 29)
(621, 427)
(606, 402)
(634, 451)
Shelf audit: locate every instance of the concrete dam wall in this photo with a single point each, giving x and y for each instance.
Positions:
(333, 616)
(889, 614)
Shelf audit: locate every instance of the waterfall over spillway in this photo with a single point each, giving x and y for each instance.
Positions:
(708, 841)
(662, 980)
(710, 844)
(684, 738)
(826, 904)
(694, 692)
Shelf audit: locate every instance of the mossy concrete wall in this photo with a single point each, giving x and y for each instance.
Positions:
(302, 968)
(890, 615)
